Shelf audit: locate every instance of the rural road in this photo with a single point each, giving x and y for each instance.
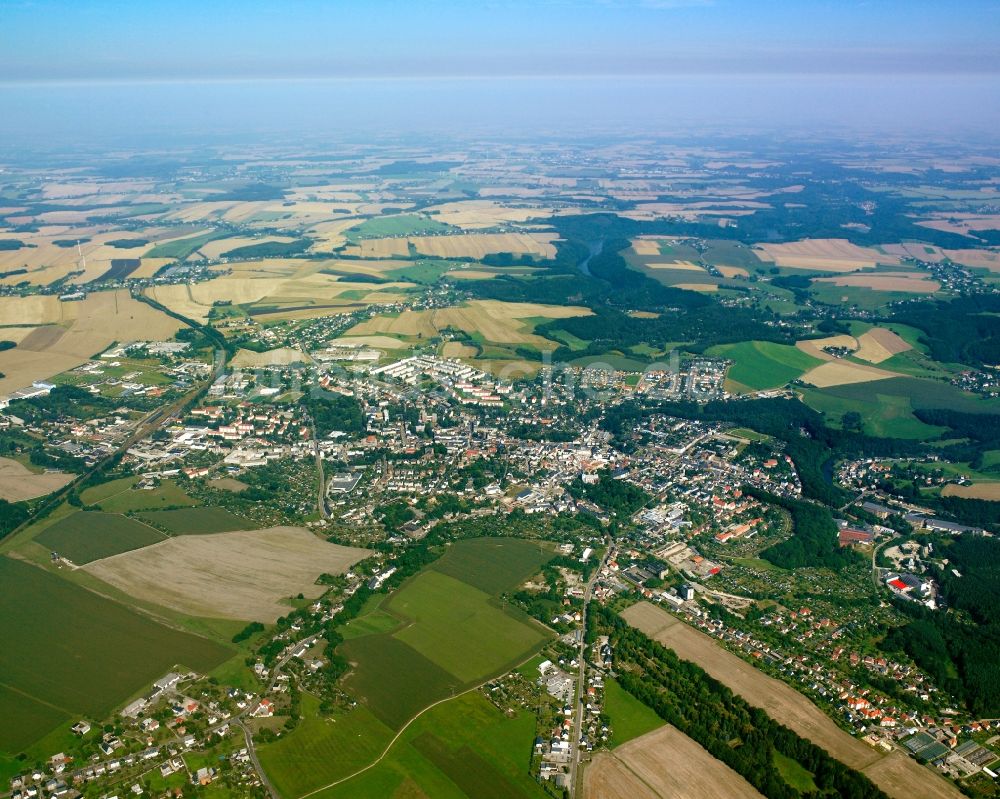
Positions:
(574, 790)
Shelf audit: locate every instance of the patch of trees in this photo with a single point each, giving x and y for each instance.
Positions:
(960, 648)
(10, 244)
(814, 541)
(964, 330)
(332, 412)
(615, 496)
(12, 516)
(394, 514)
(743, 737)
(270, 249)
(63, 401)
(6, 344)
(248, 632)
(253, 192)
(128, 244)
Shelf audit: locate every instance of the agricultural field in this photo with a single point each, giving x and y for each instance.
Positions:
(467, 245)
(18, 483)
(323, 749)
(660, 765)
(439, 606)
(785, 704)
(759, 365)
(460, 749)
(78, 652)
(454, 631)
(630, 718)
(70, 333)
(824, 255)
(195, 521)
(86, 536)
(909, 282)
(247, 575)
(128, 498)
(392, 226)
(477, 214)
(841, 372)
(500, 322)
(988, 491)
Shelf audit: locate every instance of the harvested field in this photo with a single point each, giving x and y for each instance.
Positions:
(469, 245)
(879, 344)
(825, 255)
(732, 271)
(283, 356)
(494, 320)
(990, 491)
(240, 575)
(814, 346)
(473, 214)
(18, 483)
(786, 705)
(977, 259)
(915, 282)
(900, 777)
(470, 274)
(681, 266)
(646, 246)
(839, 373)
(696, 286)
(80, 330)
(456, 349)
(378, 342)
(662, 764)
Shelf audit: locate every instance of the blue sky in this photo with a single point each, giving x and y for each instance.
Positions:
(113, 40)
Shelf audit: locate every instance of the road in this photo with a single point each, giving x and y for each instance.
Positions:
(581, 677)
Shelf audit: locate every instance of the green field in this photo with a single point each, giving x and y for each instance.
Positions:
(793, 773)
(421, 271)
(31, 720)
(320, 750)
(462, 749)
(196, 521)
(182, 248)
(630, 718)
(759, 365)
(723, 252)
(167, 494)
(453, 631)
(86, 536)
(370, 621)
(455, 626)
(493, 565)
(402, 225)
(78, 652)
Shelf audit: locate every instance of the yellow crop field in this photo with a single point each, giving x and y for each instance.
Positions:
(839, 373)
(216, 248)
(709, 287)
(915, 282)
(456, 349)
(826, 255)
(989, 491)
(880, 344)
(646, 246)
(815, 346)
(684, 266)
(468, 245)
(496, 321)
(473, 214)
(732, 271)
(76, 331)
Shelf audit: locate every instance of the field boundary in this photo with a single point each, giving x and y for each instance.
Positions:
(403, 729)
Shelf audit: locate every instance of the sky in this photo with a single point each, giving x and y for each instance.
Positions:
(135, 40)
(79, 69)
